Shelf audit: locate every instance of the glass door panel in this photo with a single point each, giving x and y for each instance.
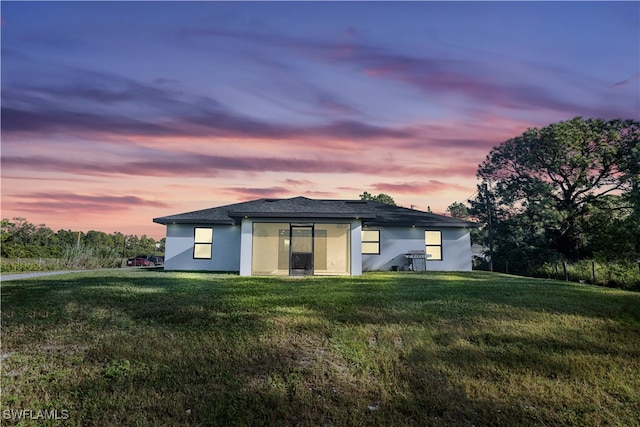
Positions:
(331, 249)
(271, 253)
(301, 250)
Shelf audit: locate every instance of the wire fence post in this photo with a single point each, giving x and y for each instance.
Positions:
(564, 270)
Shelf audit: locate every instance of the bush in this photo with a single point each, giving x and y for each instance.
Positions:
(16, 265)
(624, 274)
(73, 258)
(76, 258)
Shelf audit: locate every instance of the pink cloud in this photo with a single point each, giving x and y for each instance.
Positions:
(297, 182)
(423, 187)
(61, 202)
(246, 193)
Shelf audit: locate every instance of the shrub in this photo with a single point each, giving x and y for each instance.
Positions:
(85, 257)
(73, 258)
(15, 265)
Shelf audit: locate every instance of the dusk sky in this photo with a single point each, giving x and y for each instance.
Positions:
(114, 113)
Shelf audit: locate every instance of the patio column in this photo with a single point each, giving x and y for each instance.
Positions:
(356, 247)
(246, 249)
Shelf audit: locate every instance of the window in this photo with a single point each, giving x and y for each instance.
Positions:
(371, 242)
(433, 245)
(202, 241)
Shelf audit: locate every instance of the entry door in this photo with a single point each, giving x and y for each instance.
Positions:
(301, 250)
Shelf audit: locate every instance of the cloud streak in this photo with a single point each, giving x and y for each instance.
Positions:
(162, 113)
(201, 165)
(627, 81)
(427, 187)
(61, 202)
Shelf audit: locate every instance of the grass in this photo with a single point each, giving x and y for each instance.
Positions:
(383, 349)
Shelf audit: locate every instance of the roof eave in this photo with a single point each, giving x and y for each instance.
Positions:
(166, 221)
(422, 224)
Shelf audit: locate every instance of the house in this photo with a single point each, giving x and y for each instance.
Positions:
(302, 236)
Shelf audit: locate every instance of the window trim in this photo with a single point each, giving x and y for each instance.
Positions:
(199, 244)
(370, 241)
(427, 245)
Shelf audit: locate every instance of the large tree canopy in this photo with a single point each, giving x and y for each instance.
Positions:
(562, 175)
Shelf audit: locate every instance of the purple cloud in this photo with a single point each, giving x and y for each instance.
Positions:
(109, 108)
(482, 83)
(627, 81)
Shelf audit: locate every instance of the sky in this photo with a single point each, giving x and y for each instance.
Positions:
(114, 113)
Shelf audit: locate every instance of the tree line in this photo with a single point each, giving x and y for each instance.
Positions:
(22, 239)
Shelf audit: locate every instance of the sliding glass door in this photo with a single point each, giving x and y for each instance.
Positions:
(301, 249)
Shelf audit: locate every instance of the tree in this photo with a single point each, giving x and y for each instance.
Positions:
(382, 198)
(66, 238)
(520, 241)
(458, 210)
(17, 238)
(612, 230)
(98, 239)
(557, 175)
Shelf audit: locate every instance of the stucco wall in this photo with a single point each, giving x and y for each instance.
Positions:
(225, 249)
(395, 242)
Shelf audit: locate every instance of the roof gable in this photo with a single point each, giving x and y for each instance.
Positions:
(370, 212)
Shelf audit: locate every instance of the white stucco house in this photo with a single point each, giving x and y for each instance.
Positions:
(302, 236)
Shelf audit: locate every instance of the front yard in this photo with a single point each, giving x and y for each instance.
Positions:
(156, 348)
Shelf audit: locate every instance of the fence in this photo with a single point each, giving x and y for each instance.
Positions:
(624, 275)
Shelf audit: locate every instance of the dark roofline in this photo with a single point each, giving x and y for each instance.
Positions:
(370, 212)
(309, 215)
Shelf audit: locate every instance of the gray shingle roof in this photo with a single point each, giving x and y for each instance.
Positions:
(371, 213)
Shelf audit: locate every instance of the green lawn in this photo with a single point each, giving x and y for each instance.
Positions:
(155, 348)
